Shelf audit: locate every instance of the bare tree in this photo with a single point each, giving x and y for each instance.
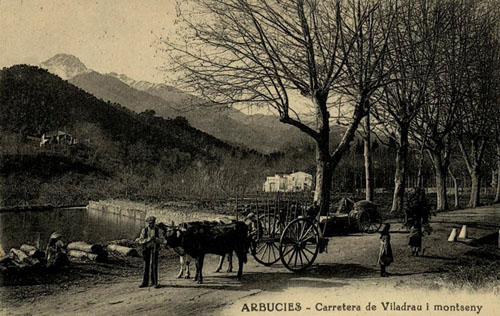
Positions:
(496, 132)
(267, 52)
(459, 51)
(480, 95)
(432, 127)
(436, 121)
(365, 73)
(412, 59)
(496, 127)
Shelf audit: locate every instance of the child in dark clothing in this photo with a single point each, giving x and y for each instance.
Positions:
(415, 239)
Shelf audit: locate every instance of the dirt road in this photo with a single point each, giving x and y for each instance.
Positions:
(343, 281)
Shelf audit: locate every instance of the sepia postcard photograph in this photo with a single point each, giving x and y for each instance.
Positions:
(250, 157)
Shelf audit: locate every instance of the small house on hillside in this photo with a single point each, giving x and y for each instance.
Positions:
(294, 182)
(57, 138)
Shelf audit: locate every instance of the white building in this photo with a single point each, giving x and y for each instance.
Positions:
(294, 182)
(275, 183)
(300, 181)
(57, 138)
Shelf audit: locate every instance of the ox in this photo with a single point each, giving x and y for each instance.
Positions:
(185, 259)
(200, 238)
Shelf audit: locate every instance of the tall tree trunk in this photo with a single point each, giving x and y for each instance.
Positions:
(455, 188)
(400, 174)
(324, 165)
(441, 170)
(420, 174)
(497, 195)
(473, 162)
(324, 175)
(475, 190)
(497, 191)
(368, 161)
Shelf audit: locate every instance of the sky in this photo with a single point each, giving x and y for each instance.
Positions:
(106, 35)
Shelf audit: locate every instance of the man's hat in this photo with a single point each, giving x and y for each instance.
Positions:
(150, 219)
(55, 235)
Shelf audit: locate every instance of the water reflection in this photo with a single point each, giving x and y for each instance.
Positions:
(94, 226)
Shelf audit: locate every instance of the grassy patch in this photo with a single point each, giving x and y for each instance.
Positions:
(477, 270)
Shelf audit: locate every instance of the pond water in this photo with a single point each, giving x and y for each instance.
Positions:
(75, 224)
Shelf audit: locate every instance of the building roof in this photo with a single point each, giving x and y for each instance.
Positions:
(301, 172)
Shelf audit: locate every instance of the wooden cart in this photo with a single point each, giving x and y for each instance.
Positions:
(295, 233)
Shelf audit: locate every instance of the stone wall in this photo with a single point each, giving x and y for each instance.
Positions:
(177, 212)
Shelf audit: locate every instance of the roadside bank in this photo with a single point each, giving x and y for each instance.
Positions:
(166, 212)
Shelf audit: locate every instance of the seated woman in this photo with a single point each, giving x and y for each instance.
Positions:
(55, 252)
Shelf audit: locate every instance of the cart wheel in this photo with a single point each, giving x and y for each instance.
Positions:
(369, 224)
(265, 248)
(299, 244)
(271, 225)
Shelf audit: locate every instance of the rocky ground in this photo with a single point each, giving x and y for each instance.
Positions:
(343, 279)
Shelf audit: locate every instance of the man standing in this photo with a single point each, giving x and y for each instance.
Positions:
(150, 242)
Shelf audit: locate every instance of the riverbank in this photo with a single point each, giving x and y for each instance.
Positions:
(39, 208)
(97, 222)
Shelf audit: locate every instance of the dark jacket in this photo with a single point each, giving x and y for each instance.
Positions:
(415, 237)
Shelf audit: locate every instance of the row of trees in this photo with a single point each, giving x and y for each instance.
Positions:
(423, 73)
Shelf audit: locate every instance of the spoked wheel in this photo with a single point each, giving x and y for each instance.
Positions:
(265, 249)
(271, 224)
(299, 244)
(369, 223)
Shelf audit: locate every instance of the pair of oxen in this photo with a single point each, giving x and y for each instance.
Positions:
(196, 239)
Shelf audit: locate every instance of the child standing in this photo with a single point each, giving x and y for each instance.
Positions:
(385, 257)
(415, 238)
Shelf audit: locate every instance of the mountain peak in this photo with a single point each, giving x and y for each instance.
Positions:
(65, 66)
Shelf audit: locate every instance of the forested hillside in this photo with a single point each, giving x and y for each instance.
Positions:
(119, 153)
(34, 101)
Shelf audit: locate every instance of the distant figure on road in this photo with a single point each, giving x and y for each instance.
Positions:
(385, 257)
(56, 252)
(415, 238)
(150, 242)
